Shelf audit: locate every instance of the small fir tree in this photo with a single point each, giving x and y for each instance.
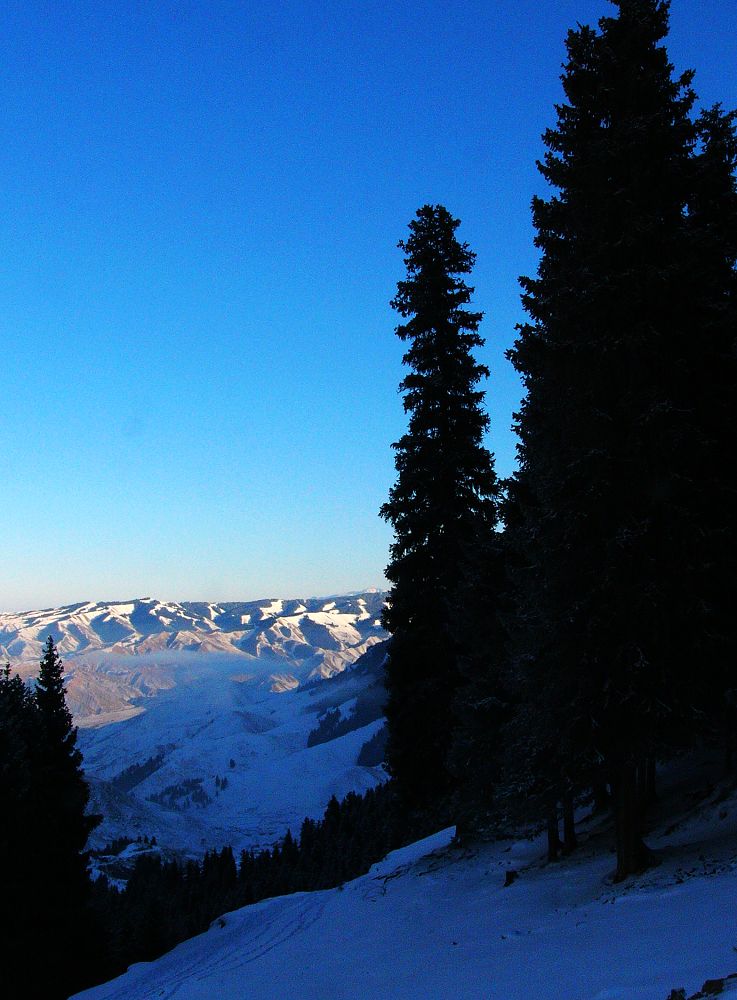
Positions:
(62, 824)
(65, 789)
(18, 740)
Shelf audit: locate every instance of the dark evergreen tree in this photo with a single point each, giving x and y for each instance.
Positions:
(483, 699)
(713, 229)
(59, 882)
(18, 739)
(607, 531)
(64, 789)
(441, 506)
(44, 887)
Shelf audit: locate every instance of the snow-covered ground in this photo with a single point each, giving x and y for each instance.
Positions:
(432, 922)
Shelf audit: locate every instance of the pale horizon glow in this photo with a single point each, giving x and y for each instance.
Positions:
(202, 205)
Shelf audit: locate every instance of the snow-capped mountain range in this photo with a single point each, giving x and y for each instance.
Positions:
(298, 639)
(291, 629)
(195, 718)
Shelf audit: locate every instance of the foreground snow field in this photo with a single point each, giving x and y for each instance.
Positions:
(433, 921)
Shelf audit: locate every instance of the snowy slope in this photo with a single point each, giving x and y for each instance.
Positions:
(432, 922)
(213, 726)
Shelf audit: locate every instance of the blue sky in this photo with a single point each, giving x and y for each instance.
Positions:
(200, 206)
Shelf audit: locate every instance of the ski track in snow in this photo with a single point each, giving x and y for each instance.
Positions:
(433, 922)
(288, 921)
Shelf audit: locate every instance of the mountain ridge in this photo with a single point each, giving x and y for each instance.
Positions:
(118, 654)
(121, 626)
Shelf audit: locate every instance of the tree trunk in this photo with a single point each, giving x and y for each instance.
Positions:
(554, 844)
(602, 799)
(569, 825)
(632, 855)
(645, 777)
(650, 791)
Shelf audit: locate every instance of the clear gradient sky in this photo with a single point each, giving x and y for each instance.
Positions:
(199, 210)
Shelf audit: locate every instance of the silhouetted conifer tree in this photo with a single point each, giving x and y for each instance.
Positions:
(442, 504)
(607, 530)
(59, 879)
(483, 698)
(43, 797)
(18, 740)
(712, 220)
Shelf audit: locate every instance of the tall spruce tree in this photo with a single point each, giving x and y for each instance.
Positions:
(712, 220)
(442, 505)
(483, 700)
(606, 530)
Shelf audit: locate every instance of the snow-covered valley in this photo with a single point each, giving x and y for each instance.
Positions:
(229, 762)
(194, 719)
(434, 921)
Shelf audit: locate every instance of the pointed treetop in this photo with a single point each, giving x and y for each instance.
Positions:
(51, 696)
(642, 10)
(432, 247)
